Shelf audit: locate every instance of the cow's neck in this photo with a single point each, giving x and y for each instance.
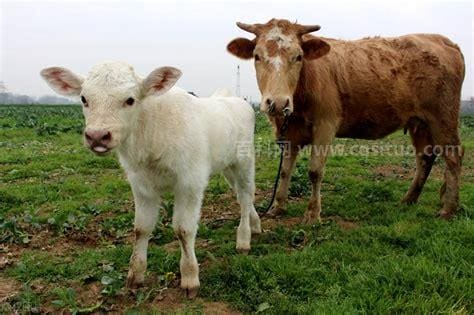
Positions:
(305, 96)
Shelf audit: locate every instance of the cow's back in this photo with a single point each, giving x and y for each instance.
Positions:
(382, 82)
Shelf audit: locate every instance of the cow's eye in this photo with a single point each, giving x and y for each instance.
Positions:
(130, 101)
(257, 58)
(84, 101)
(299, 58)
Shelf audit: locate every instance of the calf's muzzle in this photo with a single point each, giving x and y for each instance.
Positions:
(98, 140)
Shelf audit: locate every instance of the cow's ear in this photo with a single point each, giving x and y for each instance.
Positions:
(63, 81)
(315, 48)
(241, 47)
(160, 80)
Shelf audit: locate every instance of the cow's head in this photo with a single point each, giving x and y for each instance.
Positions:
(279, 53)
(111, 97)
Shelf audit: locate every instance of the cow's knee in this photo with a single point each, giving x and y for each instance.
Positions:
(314, 175)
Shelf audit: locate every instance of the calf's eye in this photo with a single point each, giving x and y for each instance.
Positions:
(130, 101)
(84, 101)
(257, 58)
(299, 58)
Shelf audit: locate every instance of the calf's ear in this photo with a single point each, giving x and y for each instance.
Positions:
(160, 80)
(241, 47)
(315, 48)
(62, 81)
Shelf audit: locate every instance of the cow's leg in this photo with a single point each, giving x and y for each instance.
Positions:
(452, 155)
(243, 176)
(320, 149)
(423, 143)
(444, 129)
(146, 214)
(442, 191)
(281, 197)
(186, 215)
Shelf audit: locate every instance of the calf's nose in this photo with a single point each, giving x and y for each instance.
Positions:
(100, 136)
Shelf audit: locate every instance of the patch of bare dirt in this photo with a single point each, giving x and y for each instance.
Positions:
(173, 300)
(343, 223)
(174, 245)
(393, 171)
(271, 223)
(8, 289)
(226, 206)
(398, 171)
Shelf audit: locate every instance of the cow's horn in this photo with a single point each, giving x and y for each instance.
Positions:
(251, 28)
(305, 29)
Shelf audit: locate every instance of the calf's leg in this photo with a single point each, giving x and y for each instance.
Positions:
(146, 214)
(186, 215)
(243, 175)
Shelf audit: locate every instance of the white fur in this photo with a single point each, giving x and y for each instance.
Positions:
(276, 62)
(283, 41)
(172, 142)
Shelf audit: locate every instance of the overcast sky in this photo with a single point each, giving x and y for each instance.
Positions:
(192, 35)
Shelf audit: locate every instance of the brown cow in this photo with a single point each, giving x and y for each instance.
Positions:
(364, 89)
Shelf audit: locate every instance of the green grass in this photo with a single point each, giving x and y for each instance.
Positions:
(66, 218)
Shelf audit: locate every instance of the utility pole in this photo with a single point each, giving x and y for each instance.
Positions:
(237, 87)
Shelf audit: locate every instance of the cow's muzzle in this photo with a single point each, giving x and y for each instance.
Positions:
(278, 106)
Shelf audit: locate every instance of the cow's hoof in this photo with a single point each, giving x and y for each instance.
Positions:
(409, 200)
(275, 211)
(134, 282)
(446, 214)
(311, 218)
(191, 293)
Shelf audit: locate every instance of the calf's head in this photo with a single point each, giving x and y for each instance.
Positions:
(111, 97)
(279, 52)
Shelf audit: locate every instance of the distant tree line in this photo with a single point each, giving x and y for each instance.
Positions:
(7, 98)
(467, 107)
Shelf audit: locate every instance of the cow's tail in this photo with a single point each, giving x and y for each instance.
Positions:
(222, 92)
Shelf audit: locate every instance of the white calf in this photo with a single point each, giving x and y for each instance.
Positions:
(169, 141)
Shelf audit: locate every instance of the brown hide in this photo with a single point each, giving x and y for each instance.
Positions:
(374, 86)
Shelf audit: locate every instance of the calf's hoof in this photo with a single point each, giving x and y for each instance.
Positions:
(243, 250)
(133, 281)
(190, 285)
(255, 226)
(311, 217)
(256, 230)
(192, 293)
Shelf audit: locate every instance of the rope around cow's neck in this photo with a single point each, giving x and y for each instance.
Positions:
(281, 144)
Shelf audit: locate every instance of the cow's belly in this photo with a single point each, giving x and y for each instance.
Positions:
(372, 122)
(368, 129)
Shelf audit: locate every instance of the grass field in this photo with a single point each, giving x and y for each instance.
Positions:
(66, 220)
